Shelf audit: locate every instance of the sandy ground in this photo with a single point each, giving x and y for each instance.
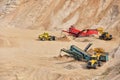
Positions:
(23, 57)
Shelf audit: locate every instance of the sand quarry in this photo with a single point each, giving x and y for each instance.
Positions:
(24, 57)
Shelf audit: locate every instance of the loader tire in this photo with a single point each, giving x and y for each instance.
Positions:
(53, 38)
(50, 39)
(99, 63)
(42, 39)
(94, 66)
(100, 37)
(110, 37)
(88, 67)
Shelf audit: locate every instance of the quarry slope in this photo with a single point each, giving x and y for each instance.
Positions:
(59, 14)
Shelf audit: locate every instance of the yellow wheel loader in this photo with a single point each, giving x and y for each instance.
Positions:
(104, 35)
(93, 62)
(45, 36)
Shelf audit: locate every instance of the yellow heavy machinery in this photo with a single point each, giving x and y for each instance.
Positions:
(93, 62)
(82, 55)
(104, 35)
(46, 36)
(101, 54)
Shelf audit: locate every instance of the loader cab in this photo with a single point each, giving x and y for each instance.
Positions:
(45, 34)
(93, 58)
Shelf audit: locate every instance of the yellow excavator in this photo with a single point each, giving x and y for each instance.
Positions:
(104, 35)
(45, 36)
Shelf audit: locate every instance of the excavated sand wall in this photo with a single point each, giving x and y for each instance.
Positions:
(59, 14)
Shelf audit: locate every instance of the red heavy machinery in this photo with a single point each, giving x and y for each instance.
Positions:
(81, 33)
